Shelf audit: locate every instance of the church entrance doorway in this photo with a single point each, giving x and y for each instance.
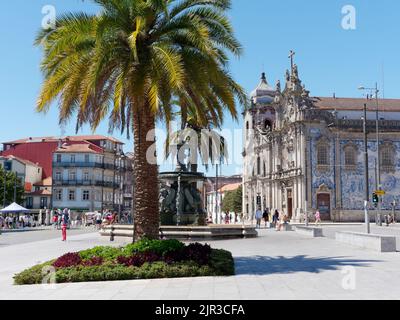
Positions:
(290, 203)
(324, 206)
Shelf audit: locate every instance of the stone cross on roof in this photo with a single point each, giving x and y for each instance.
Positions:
(291, 57)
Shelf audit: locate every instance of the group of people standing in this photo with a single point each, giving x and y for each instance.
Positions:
(17, 221)
(105, 218)
(279, 219)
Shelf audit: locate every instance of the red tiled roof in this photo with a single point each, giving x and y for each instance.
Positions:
(70, 138)
(230, 187)
(24, 161)
(225, 187)
(45, 182)
(79, 148)
(356, 104)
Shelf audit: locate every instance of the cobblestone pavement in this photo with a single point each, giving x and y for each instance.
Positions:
(276, 265)
(13, 237)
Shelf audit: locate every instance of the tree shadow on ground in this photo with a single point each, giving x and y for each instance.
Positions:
(259, 265)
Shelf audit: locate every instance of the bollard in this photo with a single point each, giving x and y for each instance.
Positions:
(112, 233)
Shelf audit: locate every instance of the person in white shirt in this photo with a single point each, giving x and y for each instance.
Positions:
(258, 217)
(98, 218)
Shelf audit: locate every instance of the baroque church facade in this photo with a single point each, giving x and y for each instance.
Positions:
(304, 153)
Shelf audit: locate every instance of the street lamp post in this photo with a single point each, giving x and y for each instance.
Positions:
(367, 226)
(378, 162)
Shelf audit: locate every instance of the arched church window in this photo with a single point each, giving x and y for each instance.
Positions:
(322, 155)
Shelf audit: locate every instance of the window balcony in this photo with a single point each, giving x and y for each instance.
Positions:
(69, 164)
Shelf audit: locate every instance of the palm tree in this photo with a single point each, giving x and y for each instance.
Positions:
(130, 62)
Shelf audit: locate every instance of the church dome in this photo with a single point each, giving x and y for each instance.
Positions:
(264, 93)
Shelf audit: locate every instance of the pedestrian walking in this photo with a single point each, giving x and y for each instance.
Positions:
(266, 216)
(275, 218)
(258, 217)
(55, 220)
(317, 218)
(64, 225)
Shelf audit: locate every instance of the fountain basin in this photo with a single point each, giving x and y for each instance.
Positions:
(190, 233)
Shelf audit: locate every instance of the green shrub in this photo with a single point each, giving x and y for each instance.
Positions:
(221, 261)
(107, 253)
(158, 246)
(220, 264)
(32, 275)
(96, 273)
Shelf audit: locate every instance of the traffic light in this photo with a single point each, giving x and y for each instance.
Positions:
(375, 199)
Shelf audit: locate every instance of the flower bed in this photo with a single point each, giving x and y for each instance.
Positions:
(146, 259)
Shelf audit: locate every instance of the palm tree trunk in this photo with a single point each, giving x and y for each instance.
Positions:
(146, 214)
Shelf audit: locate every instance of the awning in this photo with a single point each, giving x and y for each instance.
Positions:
(14, 208)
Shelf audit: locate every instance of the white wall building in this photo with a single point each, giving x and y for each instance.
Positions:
(89, 177)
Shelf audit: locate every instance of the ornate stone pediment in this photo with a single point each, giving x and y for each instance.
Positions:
(323, 188)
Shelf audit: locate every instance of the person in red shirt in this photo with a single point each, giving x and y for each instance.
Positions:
(64, 225)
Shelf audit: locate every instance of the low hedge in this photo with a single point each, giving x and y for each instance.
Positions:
(158, 259)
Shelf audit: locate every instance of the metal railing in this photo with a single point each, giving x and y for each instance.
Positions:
(99, 183)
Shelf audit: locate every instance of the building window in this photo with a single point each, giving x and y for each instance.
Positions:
(58, 176)
(350, 157)
(87, 158)
(72, 175)
(322, 155)
(58, 195)
(29, 202)
(86, 176)
(387, 157)
(85, 195)
(72, 158)
(258, 166)
(71, 195)
(43, 202)
(58, 158)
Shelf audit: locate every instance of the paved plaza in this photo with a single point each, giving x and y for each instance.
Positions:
(276, 265)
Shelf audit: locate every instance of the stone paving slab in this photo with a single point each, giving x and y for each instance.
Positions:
(276, 265)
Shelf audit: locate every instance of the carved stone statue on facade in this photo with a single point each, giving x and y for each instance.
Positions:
(295, 72)
(278, 86)
(287, 76)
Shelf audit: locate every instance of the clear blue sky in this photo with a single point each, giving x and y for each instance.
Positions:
(330, 58)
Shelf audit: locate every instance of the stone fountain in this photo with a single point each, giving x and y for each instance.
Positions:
(180, 200)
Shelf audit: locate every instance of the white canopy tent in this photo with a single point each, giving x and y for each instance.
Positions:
(14, 208)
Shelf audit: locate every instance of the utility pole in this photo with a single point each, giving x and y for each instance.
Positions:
(379, 187)
(367, 226)
(378, 219)
(216, 194)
